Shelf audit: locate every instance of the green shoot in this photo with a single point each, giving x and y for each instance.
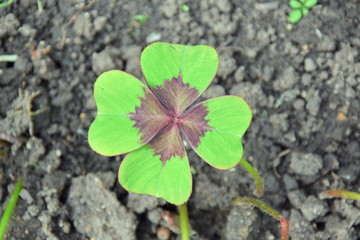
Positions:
(184, 222)
(269, 210)
(259, 190)
(185, 8)
(10, 208)
(40, 6)
(340, 194)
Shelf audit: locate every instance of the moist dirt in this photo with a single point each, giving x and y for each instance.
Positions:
(302, 82)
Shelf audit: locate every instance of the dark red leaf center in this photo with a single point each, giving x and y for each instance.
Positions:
(160, 117)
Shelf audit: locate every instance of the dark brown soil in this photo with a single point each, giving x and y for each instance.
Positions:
(302, 82)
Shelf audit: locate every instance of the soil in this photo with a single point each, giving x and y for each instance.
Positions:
(302, 82)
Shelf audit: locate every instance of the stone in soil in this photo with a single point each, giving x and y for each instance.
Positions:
(97, 213)
(242, 223)
(306, 164)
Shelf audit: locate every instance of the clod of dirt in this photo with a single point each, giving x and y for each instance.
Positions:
(102, 62)
(140, 203)
(300, 228)
(309, 65)
(241, 223)
(97, 213)
(239, 74)
(83, 25)
(289, 182)
(9, 25)
(306, 164)
(214, 91)
(227, 64)
(253, 94)
(286, 79)
(210, 194)
(313, 103)
(313, 208)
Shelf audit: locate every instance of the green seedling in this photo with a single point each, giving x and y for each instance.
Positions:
(300, 8)
(136, 23)
(10, 208)
(259, 189)
(7, 3)
(148, 121)
(185, 7)
(340, 194)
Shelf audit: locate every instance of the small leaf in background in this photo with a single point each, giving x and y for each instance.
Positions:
(295, 15)
(310, 3)
(295, 4)
(140, 19)
(305, 11)
(185, 8)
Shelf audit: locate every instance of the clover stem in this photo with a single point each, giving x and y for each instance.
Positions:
(340, 194)
(284, 223)
(10, 208)
(259, 190)
(184, 222)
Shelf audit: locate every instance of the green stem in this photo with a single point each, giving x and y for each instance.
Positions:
(10, 208)
(40, 6)
(184, 222)
(259, 190)
(4, 4)
(341, 194)
(284, 223)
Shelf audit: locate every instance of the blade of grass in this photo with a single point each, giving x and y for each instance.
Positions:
(269, 210)
(10, 208)
(259, 190)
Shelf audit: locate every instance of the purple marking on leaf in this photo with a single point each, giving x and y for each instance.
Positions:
(175, 95)
(194, 125)
(150, 116)
(168, 143)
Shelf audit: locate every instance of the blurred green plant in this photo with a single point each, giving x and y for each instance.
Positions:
(300, 8)
(4, 4)
(185, 7)
(136, 23)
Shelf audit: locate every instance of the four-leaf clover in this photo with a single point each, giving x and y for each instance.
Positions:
(148, 122)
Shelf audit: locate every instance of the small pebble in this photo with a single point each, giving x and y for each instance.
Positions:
(309, 65)
(306, 164)
(163, 233)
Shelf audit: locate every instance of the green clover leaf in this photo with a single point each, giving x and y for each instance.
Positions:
(300, 9)
(148, 122)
